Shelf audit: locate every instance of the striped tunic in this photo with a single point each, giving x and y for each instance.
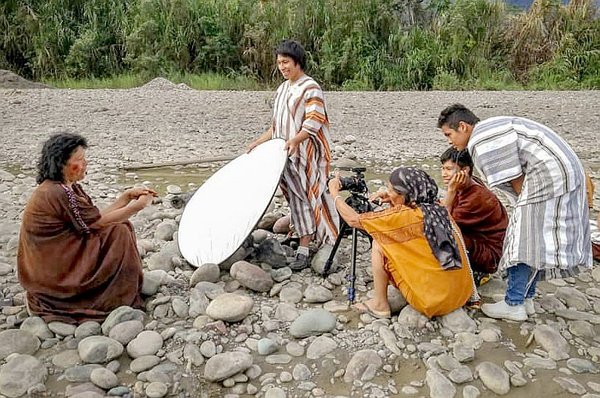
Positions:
(298, 107)
(549, 227)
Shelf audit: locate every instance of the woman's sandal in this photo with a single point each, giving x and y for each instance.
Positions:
(374, 313)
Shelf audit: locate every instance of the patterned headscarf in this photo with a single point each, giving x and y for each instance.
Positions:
(420, 190)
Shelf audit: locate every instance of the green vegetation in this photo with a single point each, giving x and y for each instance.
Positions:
(351, 44)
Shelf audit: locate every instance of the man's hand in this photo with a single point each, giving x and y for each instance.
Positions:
(134, 193)
(142, 201)
(458, 181)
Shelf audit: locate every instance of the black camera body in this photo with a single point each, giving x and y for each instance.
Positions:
(357, 186)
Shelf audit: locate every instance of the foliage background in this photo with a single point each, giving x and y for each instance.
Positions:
(351, 44)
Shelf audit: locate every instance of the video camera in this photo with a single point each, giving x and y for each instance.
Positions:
(357, 186)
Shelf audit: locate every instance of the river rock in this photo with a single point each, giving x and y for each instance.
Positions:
(412, 318)
(313, 322)
(230, 307)
(471, 392)
(301, 372)
(439, 385)
(126, 331)
(317, 294)
(251, 276)
(80, 374)
(271, 252)
(581, 365)
(156, 390)
(147, 342)
(573, 298)
(165, 230)
(582, 329)
(282, 225)
(570, 385)
(121, 314)
(87, 329)
(143, 363)
(21, 373)
(19, 342)
(225, 365)
(540, 363)
(461, 375)
(494, 377)
(320, 347)
(104, 378)
(320, 258)
(395, 299)
(363, 366)
(206, 273)
(550, 339)
(99, 349)
(458, 321)
(62, 329)
(266, 346)
(36, 326)
(286, 312)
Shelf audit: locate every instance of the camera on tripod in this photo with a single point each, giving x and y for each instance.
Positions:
(357, 186)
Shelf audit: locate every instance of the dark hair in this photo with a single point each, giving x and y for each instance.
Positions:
(55, 154)
(454, 114)
(292, 49)
(460, 157)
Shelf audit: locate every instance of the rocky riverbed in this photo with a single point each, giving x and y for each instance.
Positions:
(251, 326)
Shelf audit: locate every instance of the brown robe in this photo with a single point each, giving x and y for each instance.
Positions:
(482, 220)
(73, 273)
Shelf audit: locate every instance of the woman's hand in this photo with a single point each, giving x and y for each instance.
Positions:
(381, 196)
(335, 185)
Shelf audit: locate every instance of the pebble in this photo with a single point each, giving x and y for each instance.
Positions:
(104, 378)
(312, 322)
(494, 377)
(439, 385)
(230, 307)
(222, 366)
(156, 390)
(20, 373)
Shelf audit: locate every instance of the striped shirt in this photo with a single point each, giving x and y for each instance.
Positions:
(298, 107)
(549, 228)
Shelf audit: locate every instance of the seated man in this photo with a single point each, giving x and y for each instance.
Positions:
(76, 262)
(477, 211)
(415, 246)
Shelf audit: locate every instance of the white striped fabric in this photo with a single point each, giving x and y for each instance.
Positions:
(549, 227)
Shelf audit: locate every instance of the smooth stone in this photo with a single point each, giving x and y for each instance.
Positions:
(278, 359)
(463, 352)
(62, 329)
(66, 359)
(540, 363)
(301, 372)
(395, 299)
(16, 341)
(266, 346)
(143, 363)
(208, 349)
(573, 298)
(99, 349)
(118, 391)
(104, 378)
(147, 342)
(87, 329)
(85, 390)
(458, 321)
(294, 349)
(20, 373)
(206, 273)
(461, 375)
(447, 362)
(313, 322)
(251, 276)
(494, 377)
(439, 385)
(126, 331)
(286, 312)
(225, 365)
(275, 392)
(80, 374)
(282, 225)
(320, 258)
(582, 329)
(317, 294)
(291, 295)
(121, 314)
(36, 326)
(471, 392)
(570, 385)
(581, 365)
(160, 261)
(230, 307)
(550, 339)
(165, 230)
(154, 279)
(362, 366)
(320, 347)
(281, 274)
(156, 390)
(412, 318)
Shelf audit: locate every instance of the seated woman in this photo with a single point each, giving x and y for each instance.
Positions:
(415, 246)
(476, 210)
(76, 262)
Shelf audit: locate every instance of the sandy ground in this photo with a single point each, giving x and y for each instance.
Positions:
(158, 124)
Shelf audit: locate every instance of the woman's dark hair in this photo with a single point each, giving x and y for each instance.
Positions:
(460, 157)
(292, 49)
(55, 154)
(455, 114)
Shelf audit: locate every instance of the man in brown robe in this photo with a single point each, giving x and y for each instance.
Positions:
(477, 211)
(75, 262)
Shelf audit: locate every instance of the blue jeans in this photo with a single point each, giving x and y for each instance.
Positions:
(519, 276)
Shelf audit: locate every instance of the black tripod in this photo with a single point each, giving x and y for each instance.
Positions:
(361, 204)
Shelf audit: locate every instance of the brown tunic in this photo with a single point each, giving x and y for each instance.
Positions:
(482, 220)
(73, 273)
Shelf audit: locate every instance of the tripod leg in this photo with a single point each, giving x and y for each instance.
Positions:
(352, 276)
(340, 236)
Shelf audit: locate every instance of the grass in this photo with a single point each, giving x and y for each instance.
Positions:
(204, 81)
